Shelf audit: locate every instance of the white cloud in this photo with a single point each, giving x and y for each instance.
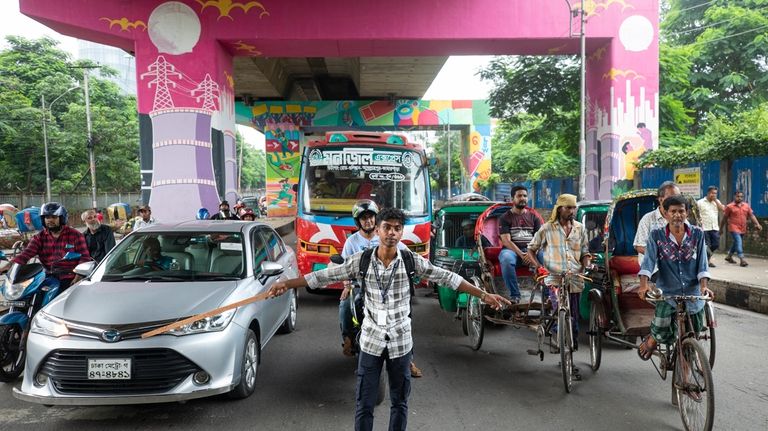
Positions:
(16, 24)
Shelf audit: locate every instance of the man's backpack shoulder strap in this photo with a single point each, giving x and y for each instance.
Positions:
(408, 260)
(365, 263)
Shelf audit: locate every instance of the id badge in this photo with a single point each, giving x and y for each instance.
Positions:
(381, 317)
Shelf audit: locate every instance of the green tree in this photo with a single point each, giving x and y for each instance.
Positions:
(439, 150)
(254, 165)
(30, 69)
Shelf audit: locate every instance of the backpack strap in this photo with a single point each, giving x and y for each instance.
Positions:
(365, 263)
(410, 266)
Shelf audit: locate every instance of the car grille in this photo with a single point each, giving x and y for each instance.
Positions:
(154, 371)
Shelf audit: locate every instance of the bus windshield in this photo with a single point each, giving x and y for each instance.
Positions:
(334, 178)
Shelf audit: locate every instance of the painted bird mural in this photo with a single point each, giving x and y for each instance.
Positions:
(226, 6)
(124, 23)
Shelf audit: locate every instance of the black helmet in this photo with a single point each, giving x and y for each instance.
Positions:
(54, 209)
(362, 207)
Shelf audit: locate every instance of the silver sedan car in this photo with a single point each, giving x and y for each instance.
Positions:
(85, 348)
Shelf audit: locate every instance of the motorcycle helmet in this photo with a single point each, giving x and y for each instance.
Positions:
(54, 209)
(248, 213)
(362, 207)
(203, 214)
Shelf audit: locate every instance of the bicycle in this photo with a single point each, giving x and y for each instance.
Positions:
(692, 383)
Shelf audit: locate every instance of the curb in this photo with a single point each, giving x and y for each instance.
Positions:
(740, 295)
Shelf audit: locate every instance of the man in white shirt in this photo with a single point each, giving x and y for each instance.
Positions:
(654, 219)
(708, 210)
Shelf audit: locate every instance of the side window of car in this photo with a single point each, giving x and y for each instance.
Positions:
(275, 247)
(259, 251)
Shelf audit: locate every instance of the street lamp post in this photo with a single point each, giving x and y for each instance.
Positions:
(91, 158)
(582, 100)
(45, 139)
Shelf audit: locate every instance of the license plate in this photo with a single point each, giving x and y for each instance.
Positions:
(109, 369)
(13, 304)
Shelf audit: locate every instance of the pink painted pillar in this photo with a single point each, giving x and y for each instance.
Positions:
(185, 88)
(622, 96)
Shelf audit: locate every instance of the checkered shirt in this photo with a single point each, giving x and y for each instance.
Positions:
(50, 250)
(396, 334)
(562, 253)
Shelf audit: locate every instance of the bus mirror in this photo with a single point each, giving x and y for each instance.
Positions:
(432, 161)
(295, 188)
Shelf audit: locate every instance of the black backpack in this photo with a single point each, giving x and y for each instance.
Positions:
(365, 263)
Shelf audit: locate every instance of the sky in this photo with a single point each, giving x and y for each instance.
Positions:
(457, 70)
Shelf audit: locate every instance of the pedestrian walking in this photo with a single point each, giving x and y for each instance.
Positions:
(735, 217)
(709, 206)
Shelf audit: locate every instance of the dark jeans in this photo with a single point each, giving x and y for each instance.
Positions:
(712, 238)
(368, 372)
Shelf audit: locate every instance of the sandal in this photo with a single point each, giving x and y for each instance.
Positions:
(645, 350)
(743, 263)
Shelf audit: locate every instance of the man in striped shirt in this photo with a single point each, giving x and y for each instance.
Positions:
(386, 330)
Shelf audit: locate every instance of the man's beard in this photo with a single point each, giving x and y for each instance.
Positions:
(93, 226)
(53, 229)
(368, 231)
(521, 205)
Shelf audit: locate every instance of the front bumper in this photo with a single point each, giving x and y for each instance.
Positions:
(217, 353)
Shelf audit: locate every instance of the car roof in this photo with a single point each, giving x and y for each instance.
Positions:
(202, 226)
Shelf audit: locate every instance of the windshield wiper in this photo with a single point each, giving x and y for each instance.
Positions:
(216, 277)
(152, 277)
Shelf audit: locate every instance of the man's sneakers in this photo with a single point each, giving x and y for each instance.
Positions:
(347, 349)
(415, 371)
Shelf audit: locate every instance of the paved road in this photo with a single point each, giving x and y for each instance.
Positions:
(305, 383)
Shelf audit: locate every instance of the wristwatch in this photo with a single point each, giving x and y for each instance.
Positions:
(482, 296)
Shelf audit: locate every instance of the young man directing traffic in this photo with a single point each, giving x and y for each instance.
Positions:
(386, 329)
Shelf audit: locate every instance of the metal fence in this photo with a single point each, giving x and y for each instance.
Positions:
(73, 202)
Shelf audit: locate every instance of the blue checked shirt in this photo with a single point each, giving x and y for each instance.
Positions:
(681, 266)
(395, 335)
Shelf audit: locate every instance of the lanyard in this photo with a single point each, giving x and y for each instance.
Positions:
(384, 290)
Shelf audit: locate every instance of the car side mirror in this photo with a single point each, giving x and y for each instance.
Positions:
(84, 269)
(337, 259)
(71, 255)
(2, 256)
(270, 269)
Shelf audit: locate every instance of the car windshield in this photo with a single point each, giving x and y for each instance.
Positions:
(334, 178)
(178, 256)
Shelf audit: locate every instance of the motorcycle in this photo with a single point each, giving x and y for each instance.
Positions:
(25, 290)
(357, 304)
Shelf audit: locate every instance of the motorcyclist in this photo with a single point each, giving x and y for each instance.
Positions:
(248, 215)
(224, 213)
(53, 242)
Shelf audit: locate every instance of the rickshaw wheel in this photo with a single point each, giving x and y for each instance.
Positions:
(707, 337)
(475, 318)
(464, 321)
(595, 337)
(565, 342)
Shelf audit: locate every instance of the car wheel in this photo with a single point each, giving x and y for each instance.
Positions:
(249, 368)
(289, 324)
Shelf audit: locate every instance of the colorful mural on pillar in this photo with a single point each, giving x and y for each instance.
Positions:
(623, 95)
(282, 121)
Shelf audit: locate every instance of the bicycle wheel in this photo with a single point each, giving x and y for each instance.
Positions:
(693, 386)
(707, 336)
(464, 322)
(565, 343)
(595, 336)
(475, 322)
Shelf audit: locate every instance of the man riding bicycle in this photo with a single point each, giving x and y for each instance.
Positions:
(565, 248)
(680, 253)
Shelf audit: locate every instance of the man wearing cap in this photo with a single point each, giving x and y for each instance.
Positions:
(565, 248)
(145, 218)
(224, 213)
(467, 240)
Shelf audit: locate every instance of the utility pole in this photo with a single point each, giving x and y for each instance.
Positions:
(45, 145)
(449, 155)
(92, 160)
(582, 118)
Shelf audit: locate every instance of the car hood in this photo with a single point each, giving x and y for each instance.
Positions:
(114, 303)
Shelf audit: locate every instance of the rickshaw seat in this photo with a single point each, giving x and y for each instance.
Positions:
(492, 256)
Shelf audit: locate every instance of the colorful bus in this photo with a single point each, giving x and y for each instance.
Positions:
(346, 167)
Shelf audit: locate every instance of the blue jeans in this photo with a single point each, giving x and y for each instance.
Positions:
(368, 372)
(509, 260)
(575, 313)
(345, 317)
(737, 247)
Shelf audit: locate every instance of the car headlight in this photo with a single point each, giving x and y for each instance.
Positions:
(45, 324)
(13, 291)
(209, 324)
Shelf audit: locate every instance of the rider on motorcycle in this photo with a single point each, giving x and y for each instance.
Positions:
(53, 242)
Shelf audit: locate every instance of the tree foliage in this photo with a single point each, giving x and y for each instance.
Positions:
(30, 69)
(254, 171)
(537, 102)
